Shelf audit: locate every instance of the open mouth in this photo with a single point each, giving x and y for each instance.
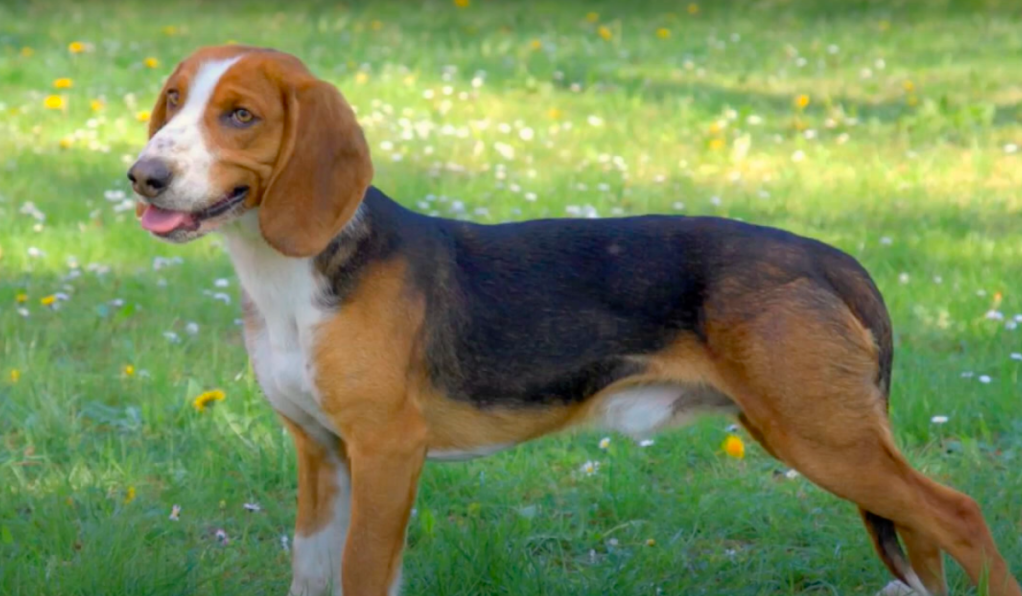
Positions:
(163, 222)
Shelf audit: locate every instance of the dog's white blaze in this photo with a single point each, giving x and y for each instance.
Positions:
(316, 558)
(285, 292)
(641, 411)
(182, 143)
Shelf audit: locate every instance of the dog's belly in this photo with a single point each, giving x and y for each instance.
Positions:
(453, 455)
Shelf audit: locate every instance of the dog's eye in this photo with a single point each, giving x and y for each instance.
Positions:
(242, 117)
(173, 97)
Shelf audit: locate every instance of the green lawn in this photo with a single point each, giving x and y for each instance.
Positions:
(886, 128)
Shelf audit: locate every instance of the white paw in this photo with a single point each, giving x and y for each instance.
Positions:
(896, 588)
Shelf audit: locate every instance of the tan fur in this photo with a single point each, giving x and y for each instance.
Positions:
(317, 488)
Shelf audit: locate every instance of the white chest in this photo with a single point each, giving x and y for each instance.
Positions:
(281, 342)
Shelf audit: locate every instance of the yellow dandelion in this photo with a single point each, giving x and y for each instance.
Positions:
(48, 300)
(97, 105)
(53, 102)
(592, 17)
(27, 52)
(361, 77)
(605, 32)
(129, 370)
(717, 144)
(170, 30)
(65, 143)
(76, 47)
(15, 375)
(63, 83)
(21, 298)
(663, 33)
(151, 62)
(734, 446)
(230, 42)
(143, 116)
(693, 8)
(554, 113)
(129, 495)
(909, 86)
(802, 101)
(376, 25)
(650, 542)
(204, 400)
(462, 3)
(536, 44)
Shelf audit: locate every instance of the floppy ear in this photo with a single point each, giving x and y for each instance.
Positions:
(321, 174)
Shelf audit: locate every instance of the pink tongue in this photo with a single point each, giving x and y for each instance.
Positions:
(162, 221)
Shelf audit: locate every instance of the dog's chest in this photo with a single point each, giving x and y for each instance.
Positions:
(282, 316)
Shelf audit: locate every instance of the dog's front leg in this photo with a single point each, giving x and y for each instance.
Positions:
(386, 459)
(324, 507)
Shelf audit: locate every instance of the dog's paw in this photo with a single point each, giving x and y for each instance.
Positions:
(896, 588)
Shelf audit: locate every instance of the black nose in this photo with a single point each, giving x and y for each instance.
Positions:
(149, 177)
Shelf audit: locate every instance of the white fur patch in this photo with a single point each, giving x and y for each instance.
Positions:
(897, 588)
(641, 411)
(285, 292)
(182, 144)
(316, 558)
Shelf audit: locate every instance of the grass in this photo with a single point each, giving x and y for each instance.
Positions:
(902, 152)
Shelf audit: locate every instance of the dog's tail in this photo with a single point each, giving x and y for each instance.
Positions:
(885, 541)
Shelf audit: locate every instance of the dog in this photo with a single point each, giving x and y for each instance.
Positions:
(384, 338)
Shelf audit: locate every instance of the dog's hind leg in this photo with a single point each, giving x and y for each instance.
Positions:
(803, 370)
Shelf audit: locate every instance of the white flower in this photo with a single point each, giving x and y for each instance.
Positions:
(171, 337)
(798, 155)
(903, 278)
(939, 419)
(604, 442)
(646, 443)
(222, 297)
(221, 283)
(995, 315)
(252, 507)
(886, 241)
(984, 379)
(175, 513)
(1010, 148)
(1016, 356)
(526, 134)
(594, 120)
(590, 467)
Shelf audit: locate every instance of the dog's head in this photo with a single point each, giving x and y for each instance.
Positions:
(237, 128)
